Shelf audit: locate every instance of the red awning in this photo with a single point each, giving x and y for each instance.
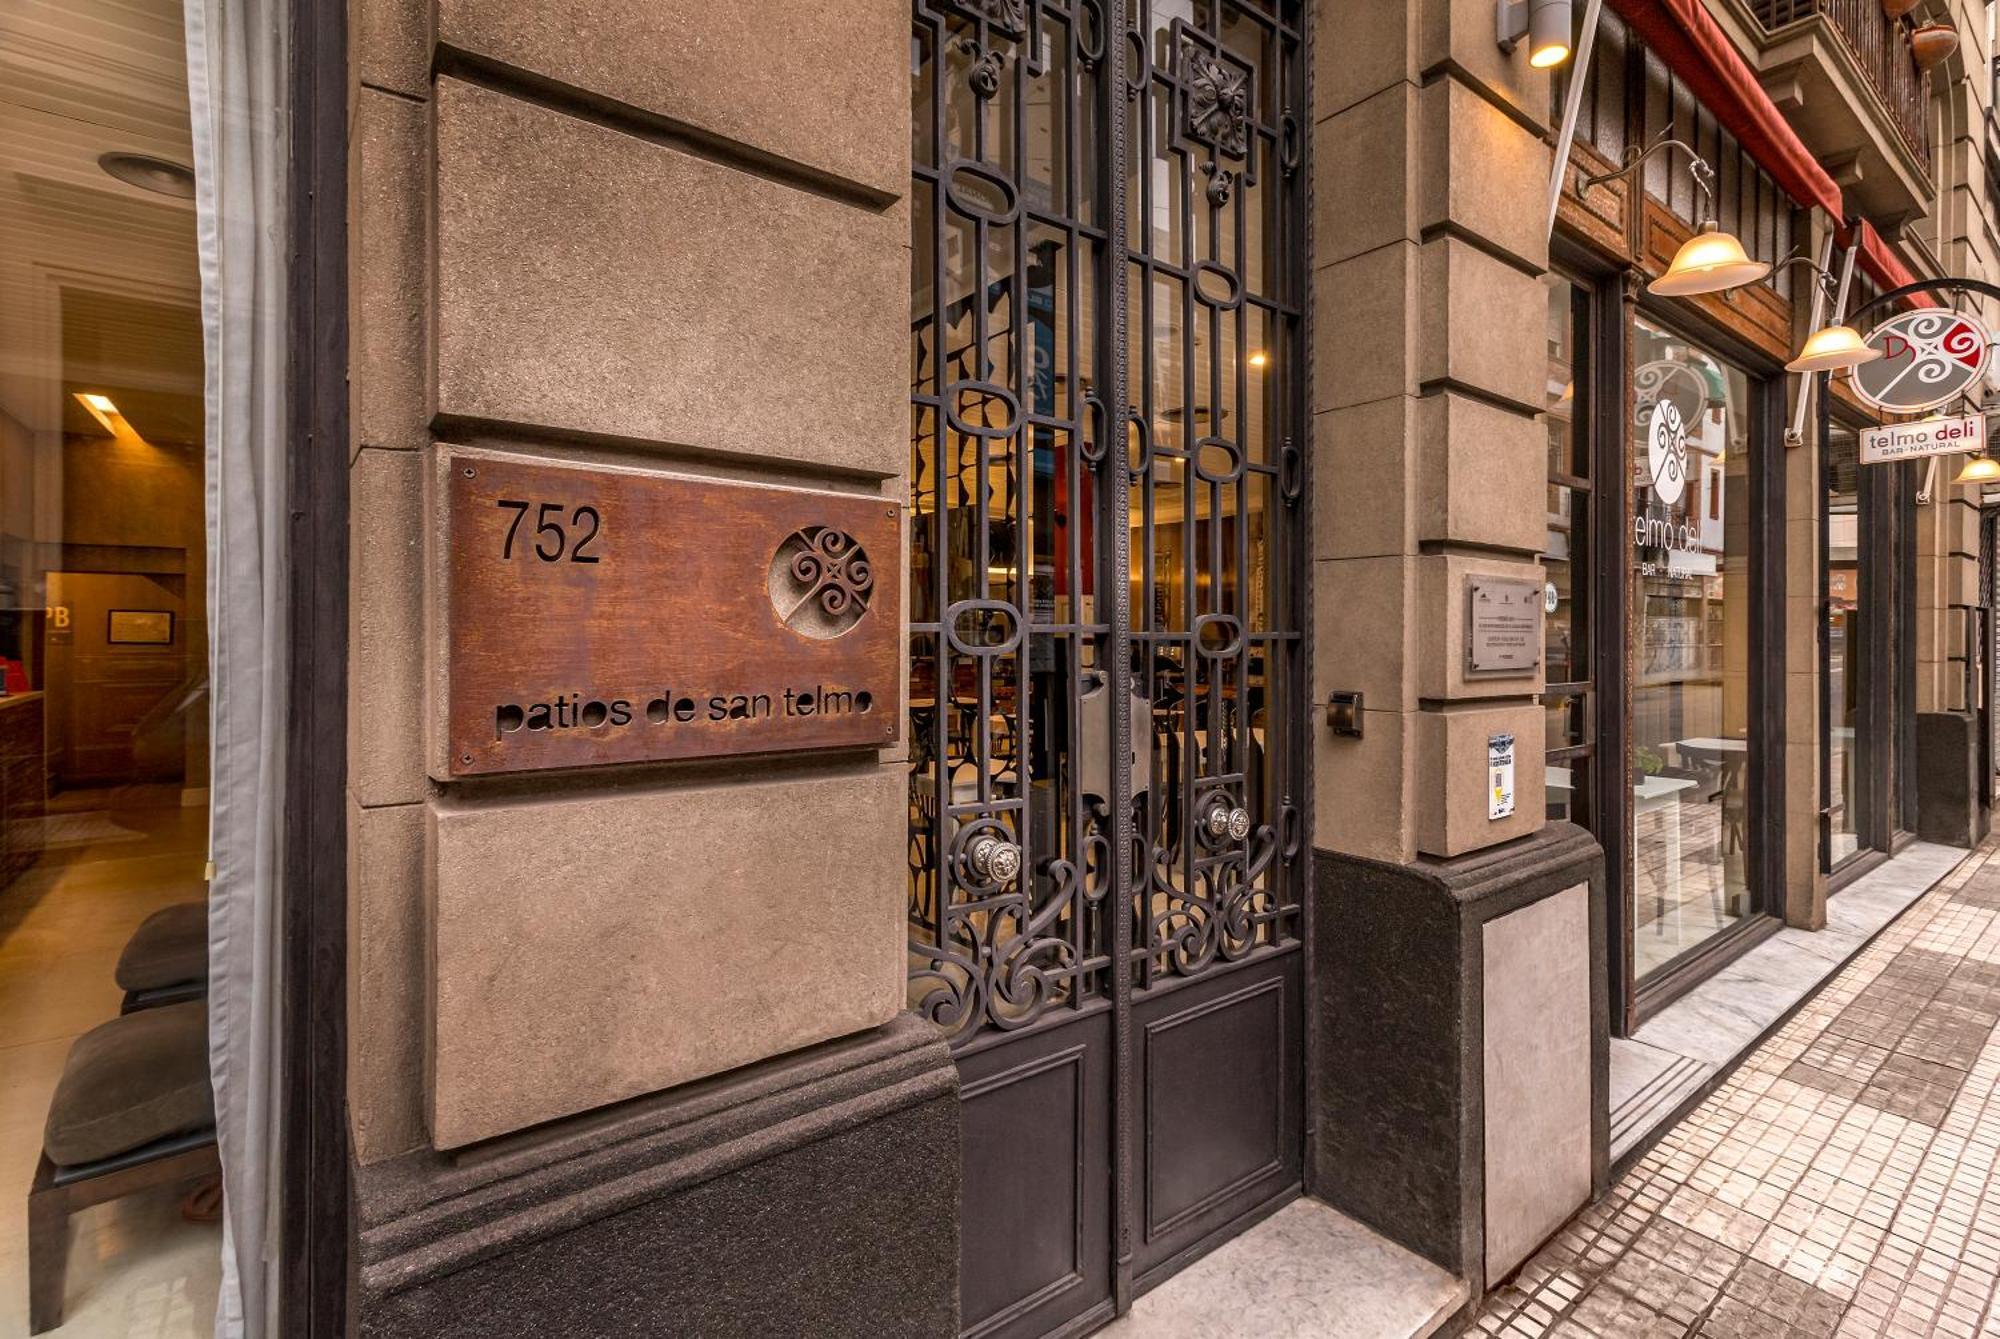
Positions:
(1701, 56)
(1682, 33)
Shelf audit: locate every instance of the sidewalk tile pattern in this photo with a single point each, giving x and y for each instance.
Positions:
(1843, 1182)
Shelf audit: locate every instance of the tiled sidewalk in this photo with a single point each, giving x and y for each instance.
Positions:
(1842, 1182)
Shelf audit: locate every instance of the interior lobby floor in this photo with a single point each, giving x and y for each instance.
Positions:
(137, 1269)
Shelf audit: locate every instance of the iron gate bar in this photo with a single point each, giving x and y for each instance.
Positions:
(1116, 364)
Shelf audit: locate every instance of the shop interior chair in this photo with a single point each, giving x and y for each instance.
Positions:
(132, 1111)
(166, 959)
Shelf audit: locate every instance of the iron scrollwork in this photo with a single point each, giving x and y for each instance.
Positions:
(1063, 844)
(983, 73)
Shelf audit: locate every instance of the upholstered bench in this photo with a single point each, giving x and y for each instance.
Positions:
(133, 1110)
(166, 959)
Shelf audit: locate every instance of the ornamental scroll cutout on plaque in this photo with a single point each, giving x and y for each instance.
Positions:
(820, 582)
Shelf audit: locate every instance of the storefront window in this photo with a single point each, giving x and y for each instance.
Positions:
(1690, 647)
(1846, 659)
(1568, 699)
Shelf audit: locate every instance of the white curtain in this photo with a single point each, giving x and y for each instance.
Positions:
(237, 70)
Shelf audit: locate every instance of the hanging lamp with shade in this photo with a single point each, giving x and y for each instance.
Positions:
(1835, 346)
(1978, 470)
(1711, 261)
(1895, 9)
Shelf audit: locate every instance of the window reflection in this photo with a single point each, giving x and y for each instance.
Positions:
(1565, 561)
(1845, 664)
(1690, 737)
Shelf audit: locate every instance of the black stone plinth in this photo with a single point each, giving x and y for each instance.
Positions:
(817, 1194)
(1400, 1109)
(1952, 805)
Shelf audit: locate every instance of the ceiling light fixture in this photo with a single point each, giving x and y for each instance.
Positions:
(1544, 23)
(162, 176)
(1712, 260)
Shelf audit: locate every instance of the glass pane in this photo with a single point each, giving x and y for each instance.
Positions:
(104, 593)
(1845, 664)
(1565, 554)
(1690, 729)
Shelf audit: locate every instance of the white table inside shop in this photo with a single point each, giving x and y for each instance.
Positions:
(1660, 794)
(1713, 744)
(1656, 794)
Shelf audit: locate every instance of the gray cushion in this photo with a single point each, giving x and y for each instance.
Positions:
(130, 1081)
(169, 948)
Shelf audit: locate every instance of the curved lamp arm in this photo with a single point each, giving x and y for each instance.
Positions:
(1829, 282)
(1698, 168)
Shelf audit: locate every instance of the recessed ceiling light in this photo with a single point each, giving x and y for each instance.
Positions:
(159, 175)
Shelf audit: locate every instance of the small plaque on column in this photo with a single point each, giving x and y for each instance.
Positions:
(1503, 627)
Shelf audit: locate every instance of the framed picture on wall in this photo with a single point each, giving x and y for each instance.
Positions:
(140, 627)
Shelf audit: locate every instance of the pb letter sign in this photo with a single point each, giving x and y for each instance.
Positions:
(601, 614)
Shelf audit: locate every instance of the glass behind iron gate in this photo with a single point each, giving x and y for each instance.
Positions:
(1107, 494)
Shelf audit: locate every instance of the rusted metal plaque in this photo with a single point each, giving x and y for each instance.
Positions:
(602, 615)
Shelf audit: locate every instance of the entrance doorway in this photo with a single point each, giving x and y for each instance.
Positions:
(1107, 679)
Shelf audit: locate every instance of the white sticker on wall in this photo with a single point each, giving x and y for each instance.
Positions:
(1500, 776)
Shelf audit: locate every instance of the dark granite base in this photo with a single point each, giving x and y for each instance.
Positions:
(1400, 1113)
(815, 1195)
(1951, 803)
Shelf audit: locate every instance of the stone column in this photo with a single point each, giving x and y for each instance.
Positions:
(1804, 474)
(672, 238)
(1460, 956)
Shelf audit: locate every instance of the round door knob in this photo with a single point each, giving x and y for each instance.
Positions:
(1224, 821)
(993, 860)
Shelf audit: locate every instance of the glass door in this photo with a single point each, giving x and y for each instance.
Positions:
(1692, 740)
(1846, 668)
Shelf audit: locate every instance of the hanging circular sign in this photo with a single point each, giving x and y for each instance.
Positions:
(1929, 358)
(1667, 451)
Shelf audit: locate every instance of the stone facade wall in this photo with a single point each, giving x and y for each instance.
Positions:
(665, 236)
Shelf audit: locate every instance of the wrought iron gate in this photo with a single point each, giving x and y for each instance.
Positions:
(1107, 676)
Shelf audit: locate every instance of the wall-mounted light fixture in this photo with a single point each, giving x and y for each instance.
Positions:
(1544, 23)
(1708, 262)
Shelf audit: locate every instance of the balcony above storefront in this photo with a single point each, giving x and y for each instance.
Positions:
(1842, 73)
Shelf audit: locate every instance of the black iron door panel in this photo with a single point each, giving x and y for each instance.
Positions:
(1107, 691)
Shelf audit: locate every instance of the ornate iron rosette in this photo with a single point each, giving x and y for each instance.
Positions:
(1218, 102)
(1009, 16)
